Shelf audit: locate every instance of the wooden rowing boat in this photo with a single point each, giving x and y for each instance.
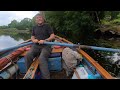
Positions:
(93, 69)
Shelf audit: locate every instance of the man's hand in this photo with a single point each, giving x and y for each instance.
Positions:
(41, 41)
(35, 41)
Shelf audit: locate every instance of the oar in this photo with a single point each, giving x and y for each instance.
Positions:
(2, 51)
(67, 45)
(83, 46)
(26, 41)
(15, 47)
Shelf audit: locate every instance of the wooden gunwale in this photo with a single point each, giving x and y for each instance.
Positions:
(98, 67)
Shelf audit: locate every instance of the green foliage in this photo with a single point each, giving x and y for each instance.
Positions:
(71, 23)
(13, 31)
(67, 23)
(13, 24)
(25, 24)
(3, 27)
(77, 25)
(114, 14)
(115, 21)
(111, 17)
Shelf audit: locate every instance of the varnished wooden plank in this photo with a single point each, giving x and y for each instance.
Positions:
(23, 54)
(31, 71)
(98, 67)
(54, 50)
(62, 39)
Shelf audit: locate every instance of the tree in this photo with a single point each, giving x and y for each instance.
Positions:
(114, 14)
(13, 24)
(73, 24)
(25, 23)
(3, 27)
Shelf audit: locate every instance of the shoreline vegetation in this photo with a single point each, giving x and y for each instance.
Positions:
(79, 26)
(16, 34)
(13, 31)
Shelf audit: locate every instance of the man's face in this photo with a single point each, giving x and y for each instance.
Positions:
(39, 19)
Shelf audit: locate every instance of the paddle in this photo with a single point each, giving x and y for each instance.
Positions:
(67, 45)
(3, 51)
(15, 47)
(83, 46)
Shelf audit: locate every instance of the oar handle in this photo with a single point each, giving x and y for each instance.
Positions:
(61, 44)
(105, 49)
(67, 45)
(83, 46)
(100, 48)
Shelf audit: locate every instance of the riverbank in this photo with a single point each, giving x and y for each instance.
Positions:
(13, 31)
(16, 34)
(115, 29)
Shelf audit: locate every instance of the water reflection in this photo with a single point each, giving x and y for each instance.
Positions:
(108, 60)
(114, 58)
(7, 41)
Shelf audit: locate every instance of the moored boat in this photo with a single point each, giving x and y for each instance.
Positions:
(88, 68)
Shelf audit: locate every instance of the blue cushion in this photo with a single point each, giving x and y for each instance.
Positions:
(21, 65)
(55, 55)
(54, 64)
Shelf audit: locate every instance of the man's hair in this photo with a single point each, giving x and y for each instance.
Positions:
(40, 15)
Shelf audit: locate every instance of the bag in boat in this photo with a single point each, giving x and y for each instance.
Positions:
(70, 59)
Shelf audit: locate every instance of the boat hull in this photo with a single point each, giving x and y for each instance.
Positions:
(93, 69)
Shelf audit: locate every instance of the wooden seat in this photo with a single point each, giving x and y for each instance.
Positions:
(23, 54)
(54, 50)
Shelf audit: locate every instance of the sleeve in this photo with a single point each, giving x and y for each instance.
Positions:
(50, 30)
(33, 33)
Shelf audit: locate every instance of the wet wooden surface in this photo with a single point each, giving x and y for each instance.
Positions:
(60, 75)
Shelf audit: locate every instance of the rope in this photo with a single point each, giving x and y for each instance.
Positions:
(10, 58)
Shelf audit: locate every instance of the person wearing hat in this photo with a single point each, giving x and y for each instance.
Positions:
(40, 33)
